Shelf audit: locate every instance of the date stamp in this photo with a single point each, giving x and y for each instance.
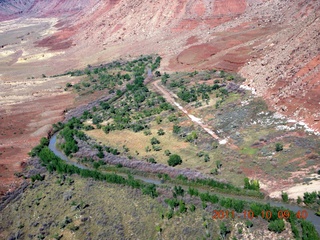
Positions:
(281, 214)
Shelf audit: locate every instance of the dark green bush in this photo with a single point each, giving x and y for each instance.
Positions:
(174, 160)
(279, 147)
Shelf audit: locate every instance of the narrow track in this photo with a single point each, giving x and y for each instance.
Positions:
(170, 97)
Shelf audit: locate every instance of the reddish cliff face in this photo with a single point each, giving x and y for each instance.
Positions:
(273, 43)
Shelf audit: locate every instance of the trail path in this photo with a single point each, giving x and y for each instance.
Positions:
(170, 97)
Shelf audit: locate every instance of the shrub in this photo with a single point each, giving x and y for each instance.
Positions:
(158, 119)
(200, 154)
(147, 132)
(37, 177)
(284, 196)
(154, 141)
(156, 148)
(174, 160)
(214, 171)
(224, 230)
(182, 207)
(167, 152)
(218, 164)
(251, 184)
(276, 226)
(74, 228)
(206, 157)
(172, 118)
(169, 214)
(299, 200)
(249, 224)
(178, 191)
(88, 127)
(279, 147)
(310, 198)
(152, 160)
(192, 208)
(96, 165)
(308, 231)
(176, 129)
(100, 154)
(193, 191)
(150, 190)
(192, 136)
(161, 132)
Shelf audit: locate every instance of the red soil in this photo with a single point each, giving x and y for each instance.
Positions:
(22, 126)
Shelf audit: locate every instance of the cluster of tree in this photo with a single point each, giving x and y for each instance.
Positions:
(137, 97)
(199, 90)
(307, 229)
(228, 203)
(156, 63)
(70, 144)
(310, 198)
(136, 127)
(187, 95)
(99, 78)
(35, 151)
(54, 163)
(220, 185)
(164, 78)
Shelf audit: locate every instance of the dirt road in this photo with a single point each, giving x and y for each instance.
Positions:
(170, 98)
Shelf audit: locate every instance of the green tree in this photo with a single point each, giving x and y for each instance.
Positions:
(174, 160)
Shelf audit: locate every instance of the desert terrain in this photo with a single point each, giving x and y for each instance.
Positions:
(273, 44)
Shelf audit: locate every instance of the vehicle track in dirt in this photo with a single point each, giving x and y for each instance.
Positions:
(170, 97)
